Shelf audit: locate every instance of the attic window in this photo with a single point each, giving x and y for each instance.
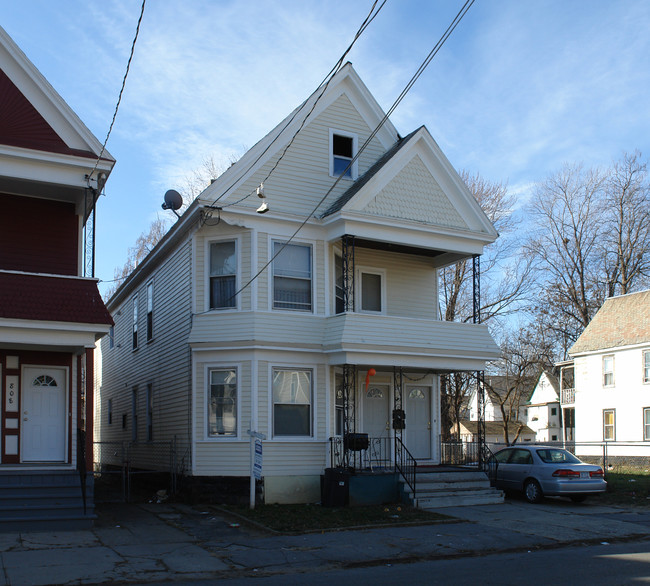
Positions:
(343, 147)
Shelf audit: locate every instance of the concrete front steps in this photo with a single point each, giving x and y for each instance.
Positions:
(437, 488)
(45, 501)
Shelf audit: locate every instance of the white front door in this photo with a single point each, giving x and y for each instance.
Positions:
(375, 411)
(418, 421)
(43, 415)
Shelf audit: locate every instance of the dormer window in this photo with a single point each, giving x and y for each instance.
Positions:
(343, 148)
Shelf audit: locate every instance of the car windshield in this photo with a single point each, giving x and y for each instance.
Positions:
(554, 456)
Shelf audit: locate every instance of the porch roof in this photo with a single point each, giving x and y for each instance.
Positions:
(51, 298)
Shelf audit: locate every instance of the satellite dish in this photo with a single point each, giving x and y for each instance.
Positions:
(173, 200)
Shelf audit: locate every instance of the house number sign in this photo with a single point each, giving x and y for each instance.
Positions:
(11, 398)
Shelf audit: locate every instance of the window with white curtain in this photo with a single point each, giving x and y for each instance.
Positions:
(292, 400)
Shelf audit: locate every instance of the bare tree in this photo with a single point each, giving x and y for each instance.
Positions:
(144, 244)
(592, 240)
(201, 177)
(569, 214)
(626, 244)
(525, 354)
(504, 284)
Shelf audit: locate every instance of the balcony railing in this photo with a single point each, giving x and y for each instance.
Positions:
(568, 396)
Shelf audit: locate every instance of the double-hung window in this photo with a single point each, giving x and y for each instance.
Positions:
(149, 312)
(646, 424)
(292, 400)
(343, 148)
(646, 366)
(608, 371)
(223, 274)
(372, 292)
(292, 281)
(135, 322)
(609, 424)
(222, 402)
(149, 412)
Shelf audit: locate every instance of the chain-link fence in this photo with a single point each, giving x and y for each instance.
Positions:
(130, 471)
(612, 456)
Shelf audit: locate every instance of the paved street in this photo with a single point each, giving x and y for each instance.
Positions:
(168, 542)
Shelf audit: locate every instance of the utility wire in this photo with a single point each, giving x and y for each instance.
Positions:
(402, 95)
(323, 87)
(119, 98)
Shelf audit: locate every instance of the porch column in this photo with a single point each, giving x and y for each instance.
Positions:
(480, 375)
(349, 407)
(347, 258)
(90, 407)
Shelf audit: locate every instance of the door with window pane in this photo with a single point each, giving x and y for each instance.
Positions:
(418, 421)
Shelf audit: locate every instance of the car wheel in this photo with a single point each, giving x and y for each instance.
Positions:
(533, 491)
(578, 498)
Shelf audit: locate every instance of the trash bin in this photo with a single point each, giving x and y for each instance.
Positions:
(336, 487)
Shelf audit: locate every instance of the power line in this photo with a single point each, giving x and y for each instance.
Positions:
(402, 95)
(119, 98)
(323, 87)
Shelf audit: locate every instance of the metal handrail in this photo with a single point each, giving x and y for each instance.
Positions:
(405, 463)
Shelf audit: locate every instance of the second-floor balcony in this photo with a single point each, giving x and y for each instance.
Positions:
(568, 396)
(354, 338)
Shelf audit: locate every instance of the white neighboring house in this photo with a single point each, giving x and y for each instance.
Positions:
(542, 413)
(239, 321)
(612, 378)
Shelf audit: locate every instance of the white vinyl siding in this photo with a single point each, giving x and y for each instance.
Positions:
(302, 177)
(164, 362)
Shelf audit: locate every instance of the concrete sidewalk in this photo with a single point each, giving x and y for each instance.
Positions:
(170, 542)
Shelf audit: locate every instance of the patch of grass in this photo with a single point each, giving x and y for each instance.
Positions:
(310, 518)
(626, 489)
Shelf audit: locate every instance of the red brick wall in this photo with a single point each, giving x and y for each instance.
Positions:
(38, 235)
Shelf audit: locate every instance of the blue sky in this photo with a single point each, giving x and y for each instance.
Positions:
(519, 89)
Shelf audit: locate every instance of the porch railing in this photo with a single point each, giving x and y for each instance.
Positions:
(377, 456)
(568, 396)
(405, 463)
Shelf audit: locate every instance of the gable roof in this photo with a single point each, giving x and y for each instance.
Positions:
(361, 181)
(496, 427)
(621, 321)
(346, 83)
(554, 383)
(34, 116)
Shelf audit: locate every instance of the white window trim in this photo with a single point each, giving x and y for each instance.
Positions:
(644, 380)
(314, 410)
(206, 401)
(206, 269)
(149, 287)
(613, 383)
(271, 277)
(354, 170)
(646, 438)
(134, 326)
(359, 289)
(613, 425)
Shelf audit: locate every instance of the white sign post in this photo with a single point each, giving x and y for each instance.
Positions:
(256, 461)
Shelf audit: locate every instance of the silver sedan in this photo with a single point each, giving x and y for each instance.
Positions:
(540, 471)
